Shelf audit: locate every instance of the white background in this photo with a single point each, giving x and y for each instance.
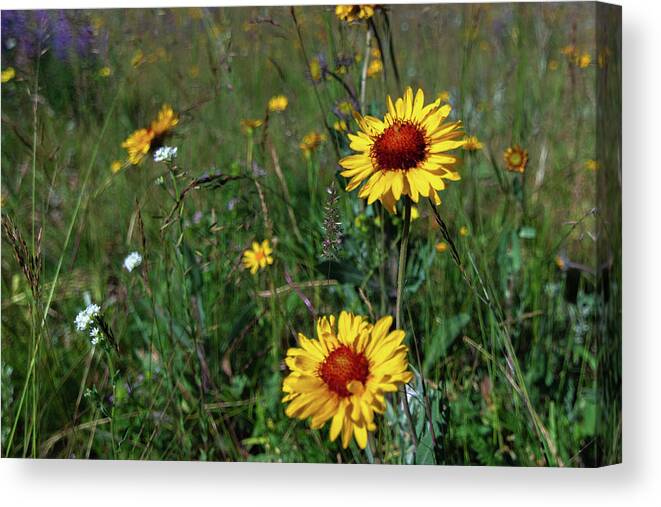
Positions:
(636, 482)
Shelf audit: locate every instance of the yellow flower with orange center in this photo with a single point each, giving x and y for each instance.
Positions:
(141, 141)
(351, 13)
(516, 159)
(405, 153)
(344, 375)
(258, 256)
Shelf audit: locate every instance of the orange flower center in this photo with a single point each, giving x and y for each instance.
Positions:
(259, 255)
(400, 146)
(341, 367)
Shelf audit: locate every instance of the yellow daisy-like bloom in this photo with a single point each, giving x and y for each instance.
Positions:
(516, 159)
(441, 246)
(472, 143)
(278, 103)
(311, 142)
(351, 13)
(375, 68)
(166, 121)
(138, 144)
(258, 256)
(584, 60)
(405, 153)
(344, 375)
(8, 74)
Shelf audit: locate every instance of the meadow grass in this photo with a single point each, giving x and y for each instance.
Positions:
(510, 330)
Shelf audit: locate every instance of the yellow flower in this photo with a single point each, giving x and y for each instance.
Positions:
(443, 96)
(374, 68)
(138, 144)
(405, 153)
(591, 165)
(166, 121)
(194, 71)
(415, 214)
(344, 375)
(8, 74)
(553, 64)
(441, 246)
(345, 107)
(105, 71)
(351, 13)
(516, 159)
(248, 125)
(584, 60)
(116, 166)
(138, 58)
(340, 126)
(463, 231)
(311, 142)
(258, 257)
(471, 143)
(278, 103)
(361, 222)
(569, 51)
(315, 69)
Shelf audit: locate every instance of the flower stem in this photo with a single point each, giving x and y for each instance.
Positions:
(401, 273)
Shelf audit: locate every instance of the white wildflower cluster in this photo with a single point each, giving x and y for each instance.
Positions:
(132, 261)
(85, 319)
(165, 154)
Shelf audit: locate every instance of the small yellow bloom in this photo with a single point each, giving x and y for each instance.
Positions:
(194, 71)
(315, 70)
(375, 53)
(116, 166)
(248, 125)
(166, 121)
(443, 96)
(258, 256)
(340, 126)
(351, 13)
(375, 67)
(516, 159)
(441, 246)
(584, 60)
(463, 231)
(361, 222)
(105, 71)
(311, 142)
(415, 214)
(8, 74)
(278, 103)
(343, 375)
(591, 165)
(569, 51)
(138, 58)
(471, 143)
(553, 64)
(345, 107)
(138, 144)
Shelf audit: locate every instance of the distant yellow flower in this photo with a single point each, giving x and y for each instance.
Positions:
(569, 51)
(105, 71)
(166, 121)
(248, 125)
(443, 96)
(194, 71)
(344, 375)
(311, 142)
(315, 69)
(351, 13)
(278, 103)
(361, 222)
(116, 166)
(415, 213)
(375, 67)
(8, 74)
(258, 256)
(441, 246)
(345, 107)
(141, 141)
(138, 145)
(138, 58)
(340, 126)
(463, 231)
(471, 143)
(553, 64)
(516, 159)
(584, 60)
(376, 53)
(405, 153)
(591, 165)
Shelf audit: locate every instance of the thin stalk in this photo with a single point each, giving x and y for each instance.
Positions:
(401, 273)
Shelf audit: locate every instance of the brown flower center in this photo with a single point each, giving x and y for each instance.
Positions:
(341, 367)
(400, 146)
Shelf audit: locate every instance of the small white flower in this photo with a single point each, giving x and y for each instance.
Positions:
(95, 335)
(132, 261)
(85, 317)
(165, 154)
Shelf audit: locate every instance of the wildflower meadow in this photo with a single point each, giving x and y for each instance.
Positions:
(325, 234)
